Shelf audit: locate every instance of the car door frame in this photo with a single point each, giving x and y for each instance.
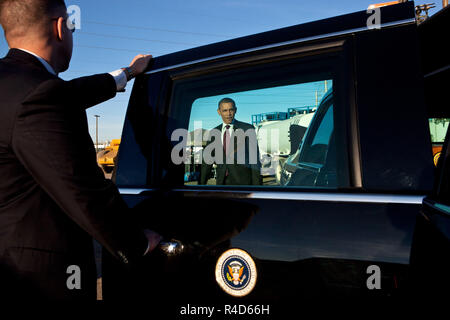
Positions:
(402, 204)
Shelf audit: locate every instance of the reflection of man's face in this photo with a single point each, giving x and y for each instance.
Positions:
(227, 112)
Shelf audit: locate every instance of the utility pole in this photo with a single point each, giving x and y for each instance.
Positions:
(326, 86)
(96, 133)
(317, 99)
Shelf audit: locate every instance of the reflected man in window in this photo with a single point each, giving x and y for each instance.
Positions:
(239, 163)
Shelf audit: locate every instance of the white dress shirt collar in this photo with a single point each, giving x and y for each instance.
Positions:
(118, 75)
(224, 126)
(44, 63)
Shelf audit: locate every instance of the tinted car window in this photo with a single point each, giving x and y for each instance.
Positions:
(275, 132)
(269, 110)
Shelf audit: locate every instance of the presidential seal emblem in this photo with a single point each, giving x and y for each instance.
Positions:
(236, 272)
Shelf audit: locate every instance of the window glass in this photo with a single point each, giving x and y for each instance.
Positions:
(252, 125)
(316, 151)
(323, 134)
(266, 134)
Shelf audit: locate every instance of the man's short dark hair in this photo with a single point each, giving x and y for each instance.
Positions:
(17, 17)
(227, 100)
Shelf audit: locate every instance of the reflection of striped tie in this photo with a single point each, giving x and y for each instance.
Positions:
(226, 143)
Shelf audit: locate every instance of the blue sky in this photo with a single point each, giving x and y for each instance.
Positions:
(248, 103)
(113, 32)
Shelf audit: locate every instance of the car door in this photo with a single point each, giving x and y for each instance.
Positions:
(298, 240)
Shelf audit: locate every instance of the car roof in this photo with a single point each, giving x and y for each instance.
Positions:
(331, 27)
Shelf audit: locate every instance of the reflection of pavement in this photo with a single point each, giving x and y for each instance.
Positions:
(99, 289)
(98, 263)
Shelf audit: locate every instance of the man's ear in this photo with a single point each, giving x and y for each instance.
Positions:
(59, 28)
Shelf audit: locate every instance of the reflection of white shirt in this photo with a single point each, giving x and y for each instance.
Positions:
(119, 75)
(224, 128)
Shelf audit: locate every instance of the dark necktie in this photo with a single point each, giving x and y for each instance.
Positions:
(226, 138)
(226, 143)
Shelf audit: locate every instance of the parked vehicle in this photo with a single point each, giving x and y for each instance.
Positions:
(105, 158)
(360, 194)
(286, 135)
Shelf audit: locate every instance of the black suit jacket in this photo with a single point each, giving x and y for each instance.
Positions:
(247, 173)
(53, 196)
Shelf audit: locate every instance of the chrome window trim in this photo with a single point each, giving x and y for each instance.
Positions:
(279, 44)
(437, 71)
(297, 196)
(133, 191)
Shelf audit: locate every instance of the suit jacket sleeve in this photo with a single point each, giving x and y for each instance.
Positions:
(52, 141)
(83, 92)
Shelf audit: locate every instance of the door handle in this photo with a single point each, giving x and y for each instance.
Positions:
(172, 247)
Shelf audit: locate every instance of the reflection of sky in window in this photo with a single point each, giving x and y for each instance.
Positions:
(276, 99)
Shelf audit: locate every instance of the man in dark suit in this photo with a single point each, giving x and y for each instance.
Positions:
(53, 196)
(240, 163)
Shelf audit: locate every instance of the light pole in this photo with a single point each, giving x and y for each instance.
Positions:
(96, 133)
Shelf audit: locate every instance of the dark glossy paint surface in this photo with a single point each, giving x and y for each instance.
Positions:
(393, 123)
(301, 248)
(281, 230)
(433, 41)
(435, 62)
(331, 25)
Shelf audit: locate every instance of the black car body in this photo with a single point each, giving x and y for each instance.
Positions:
(317, 236)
